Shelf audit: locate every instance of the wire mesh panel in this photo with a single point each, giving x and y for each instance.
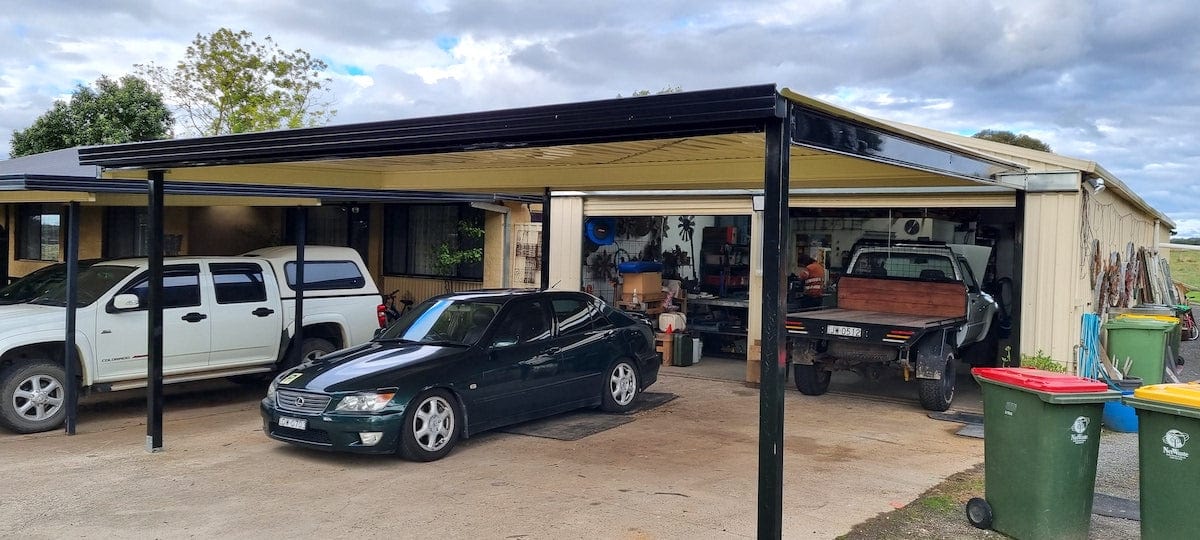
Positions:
(526, 257)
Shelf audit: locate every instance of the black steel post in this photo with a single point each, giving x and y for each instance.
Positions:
(301, 228)
(154, 337)
(774, 312)
(546, 239)
(70, 355)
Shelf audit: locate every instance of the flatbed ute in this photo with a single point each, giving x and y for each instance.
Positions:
(913, 307)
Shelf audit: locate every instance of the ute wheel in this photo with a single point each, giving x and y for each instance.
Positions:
(431, 426)
(979, 513)
(311, 349)
(812, 380)
(32, 396)
(936, 394)
(620, 387)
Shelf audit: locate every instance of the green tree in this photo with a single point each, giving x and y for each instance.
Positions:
(1008, 137)
(668, 90)
(230, 83)
(125, 110)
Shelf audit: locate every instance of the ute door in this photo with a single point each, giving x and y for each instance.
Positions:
(980, 308)
(121, 342)
(247, 320)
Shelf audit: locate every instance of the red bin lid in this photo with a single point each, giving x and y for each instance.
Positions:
(1040, 380)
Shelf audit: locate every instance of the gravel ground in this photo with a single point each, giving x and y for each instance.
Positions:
(1117, 470)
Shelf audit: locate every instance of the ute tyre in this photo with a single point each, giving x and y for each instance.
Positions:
(310, 349)
(32, 396)
(431, 426)
(937, 394)
(812, 380)
(979, 513)
(620, 387)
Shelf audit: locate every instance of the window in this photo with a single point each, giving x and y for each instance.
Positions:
(237, 283)
(326, 275)
(523, 322)
(573, 316)
(413, 232)
(345, 225)
(38, 232)
(181, 287)
(125, 231)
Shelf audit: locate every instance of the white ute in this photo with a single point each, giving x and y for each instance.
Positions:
(222, 317)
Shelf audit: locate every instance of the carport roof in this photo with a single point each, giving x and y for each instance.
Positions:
(710, 139)
(57, 176)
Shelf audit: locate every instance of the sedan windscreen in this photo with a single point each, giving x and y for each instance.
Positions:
(461, 322)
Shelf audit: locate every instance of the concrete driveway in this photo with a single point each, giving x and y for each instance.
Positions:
(687, 469)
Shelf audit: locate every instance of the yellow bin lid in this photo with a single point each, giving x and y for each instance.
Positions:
(1186, 394)
(1162, 318)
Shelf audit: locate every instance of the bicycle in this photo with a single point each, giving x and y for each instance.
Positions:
(390, 312)
(1190, 331)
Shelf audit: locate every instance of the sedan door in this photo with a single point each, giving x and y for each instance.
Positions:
(522, 365)
(584, 340)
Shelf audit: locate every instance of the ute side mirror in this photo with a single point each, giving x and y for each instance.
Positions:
(123, 302)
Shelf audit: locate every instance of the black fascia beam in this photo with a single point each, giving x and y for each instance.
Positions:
(95, 185)
(730, 110)
(821, 131)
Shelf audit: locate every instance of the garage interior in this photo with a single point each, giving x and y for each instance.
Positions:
(704, 264)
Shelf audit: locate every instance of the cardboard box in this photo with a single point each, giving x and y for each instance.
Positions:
(754, 363)
(663, 343)
(643, 282)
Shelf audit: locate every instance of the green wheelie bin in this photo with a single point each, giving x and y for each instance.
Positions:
(1041, 440)
(1169, 488)
(1142, 340)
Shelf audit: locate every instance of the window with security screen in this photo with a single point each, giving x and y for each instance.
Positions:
(930, 266)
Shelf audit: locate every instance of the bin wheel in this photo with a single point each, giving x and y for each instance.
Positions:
(979, 513)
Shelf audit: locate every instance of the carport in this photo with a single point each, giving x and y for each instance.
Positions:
(748, 138)
(57, 178)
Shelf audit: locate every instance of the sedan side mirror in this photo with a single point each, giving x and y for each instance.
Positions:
(124, 302)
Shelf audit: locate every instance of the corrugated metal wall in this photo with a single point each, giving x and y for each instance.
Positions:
(1050, 308)
(419, 289)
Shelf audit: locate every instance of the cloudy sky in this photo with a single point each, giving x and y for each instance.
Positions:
(1116, 82)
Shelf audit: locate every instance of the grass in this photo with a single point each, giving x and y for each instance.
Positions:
(1185, 267)
(936, 514)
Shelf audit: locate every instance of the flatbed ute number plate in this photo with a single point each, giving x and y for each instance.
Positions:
(847, 331)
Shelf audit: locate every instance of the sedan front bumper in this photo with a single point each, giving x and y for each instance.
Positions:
(334, 432)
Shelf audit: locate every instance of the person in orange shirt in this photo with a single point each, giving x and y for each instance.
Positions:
(812, 274)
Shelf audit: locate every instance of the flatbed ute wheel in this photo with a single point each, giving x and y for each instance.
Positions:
(979, 513)
(937, 394)
(811, 379)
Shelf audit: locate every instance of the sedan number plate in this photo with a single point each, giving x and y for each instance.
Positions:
(848, 331)
(294, 423)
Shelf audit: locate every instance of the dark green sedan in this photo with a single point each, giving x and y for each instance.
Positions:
(463, 363)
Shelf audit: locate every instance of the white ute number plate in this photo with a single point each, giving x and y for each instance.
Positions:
(835, 330)
(294, 423)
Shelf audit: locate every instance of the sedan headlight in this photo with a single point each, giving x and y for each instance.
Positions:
(365, 401)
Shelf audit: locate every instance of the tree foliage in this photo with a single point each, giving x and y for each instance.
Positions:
(125, 110)
(668, 90)
(228, 82)
(1008, 137)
